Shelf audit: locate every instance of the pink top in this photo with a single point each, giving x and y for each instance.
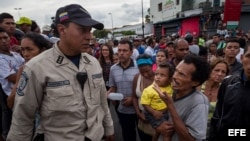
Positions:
(154, 67)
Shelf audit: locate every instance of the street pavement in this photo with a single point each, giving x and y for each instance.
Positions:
(118, 130)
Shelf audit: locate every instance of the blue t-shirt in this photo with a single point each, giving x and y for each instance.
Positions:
(140, 49)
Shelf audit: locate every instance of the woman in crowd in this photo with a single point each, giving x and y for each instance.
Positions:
(106, 61)
(141, 81)
(170, 49)
(219, 69)
(161, 56)
(32, 44)
(212, 52)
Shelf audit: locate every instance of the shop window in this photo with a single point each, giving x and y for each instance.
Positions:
(160, 7)
(177, 2)
(216, 3)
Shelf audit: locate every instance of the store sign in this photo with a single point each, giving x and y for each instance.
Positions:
(169, 5)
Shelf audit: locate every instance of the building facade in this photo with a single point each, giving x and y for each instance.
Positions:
(193, 16)
(137, 28)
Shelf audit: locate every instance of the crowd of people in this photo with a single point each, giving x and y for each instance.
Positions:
(55, 83)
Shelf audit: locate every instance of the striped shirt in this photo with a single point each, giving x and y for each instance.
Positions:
(122, 79)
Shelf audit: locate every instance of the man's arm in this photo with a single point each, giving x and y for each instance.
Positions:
(27, 102)
(179, 126)
(6, 72)
(11, 98)
(111, 90)
(12, 78)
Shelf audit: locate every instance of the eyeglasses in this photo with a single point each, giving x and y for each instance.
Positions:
(123, 50)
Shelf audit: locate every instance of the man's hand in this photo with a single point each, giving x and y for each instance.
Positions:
(166, 129)
(16, 48)
(142, 117)
(163, 95)
(127, 101)
(10, 101)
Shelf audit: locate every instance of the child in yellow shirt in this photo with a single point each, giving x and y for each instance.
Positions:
(155, 109)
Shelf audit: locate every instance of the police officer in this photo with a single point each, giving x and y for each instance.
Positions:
(65, 86)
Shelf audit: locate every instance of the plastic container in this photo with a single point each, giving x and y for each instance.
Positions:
(115, 96)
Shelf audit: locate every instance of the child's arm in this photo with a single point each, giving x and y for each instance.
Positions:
(155, 113)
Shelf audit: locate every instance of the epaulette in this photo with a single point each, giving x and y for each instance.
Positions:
(86, 59)
(59, 59)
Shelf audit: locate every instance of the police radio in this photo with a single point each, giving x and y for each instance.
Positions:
(81, 77)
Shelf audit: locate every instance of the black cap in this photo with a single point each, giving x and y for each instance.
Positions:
(76, 14)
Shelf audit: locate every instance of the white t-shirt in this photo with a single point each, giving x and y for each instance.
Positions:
(9, 64)
(239, 55)
(194, 49)
(135, 54)
(115, 50)
(149, 50)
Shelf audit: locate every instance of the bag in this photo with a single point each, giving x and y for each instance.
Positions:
(146, 127)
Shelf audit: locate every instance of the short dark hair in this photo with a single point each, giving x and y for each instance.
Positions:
(2, 30)
(216, 34)
(168, 66)
(38, 40)
(189, 38)
(220, 52)
(203, 51)
(233, 40)
(5, 16)
(115, 42)
(242, 42)
(125, 41)
(246, 48)
(157, 40)
(202, 71)
(34, 25)
(18, 34)
(150, 41)
(213, 43)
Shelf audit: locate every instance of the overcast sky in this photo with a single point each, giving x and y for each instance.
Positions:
(124, 12)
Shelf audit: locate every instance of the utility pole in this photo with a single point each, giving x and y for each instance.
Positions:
(142, 18)
(112, 26)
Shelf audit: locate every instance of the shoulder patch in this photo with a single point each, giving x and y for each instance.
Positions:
(98, 75)
(59, 59)
(86, 59)
(22, 83)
